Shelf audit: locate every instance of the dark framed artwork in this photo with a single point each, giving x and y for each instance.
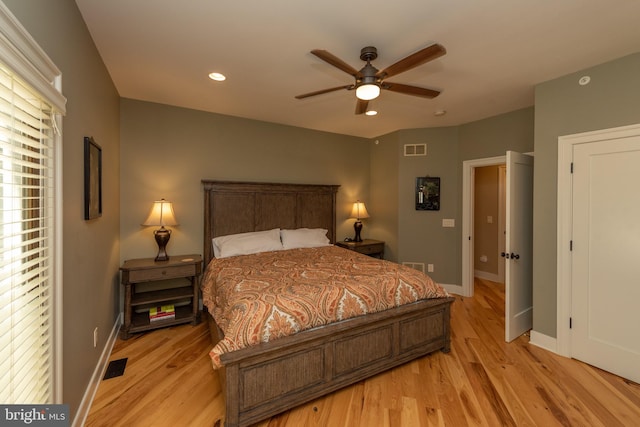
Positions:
(92, 179)
(428, 193)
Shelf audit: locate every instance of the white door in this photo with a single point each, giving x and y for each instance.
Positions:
(519, 246)
(502, 219)
(605, 261)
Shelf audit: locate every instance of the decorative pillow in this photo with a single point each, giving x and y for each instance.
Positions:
(304, 238)
(247, 243)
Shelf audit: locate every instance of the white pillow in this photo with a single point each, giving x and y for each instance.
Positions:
(304, 238)
(247, 243)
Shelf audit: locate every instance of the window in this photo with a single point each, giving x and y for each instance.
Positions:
(30, 224)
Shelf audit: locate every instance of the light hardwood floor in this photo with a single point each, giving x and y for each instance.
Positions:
(483, 381)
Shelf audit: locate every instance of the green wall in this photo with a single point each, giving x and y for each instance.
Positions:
(167, 151)
(419, 235)
(495, 135)
(564, 107)
(91, 248)
(383, 204)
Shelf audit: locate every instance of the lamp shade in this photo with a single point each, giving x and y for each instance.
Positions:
(161, 214)
(367, 92)
(359, 211)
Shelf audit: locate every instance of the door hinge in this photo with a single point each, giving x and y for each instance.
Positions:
(571, 245)
(570, 322)
(571, 167)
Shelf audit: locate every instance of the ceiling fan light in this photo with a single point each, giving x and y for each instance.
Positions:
(368, 92)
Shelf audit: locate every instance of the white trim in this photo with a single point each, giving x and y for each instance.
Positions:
(58, 301)
(566, 145)
(468, 186)
(98, 373)
(27, 59)
(543, 341)
(452, 289)
(486, 276)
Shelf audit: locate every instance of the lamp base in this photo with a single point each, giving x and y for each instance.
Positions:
(162, 236)
(358, 228)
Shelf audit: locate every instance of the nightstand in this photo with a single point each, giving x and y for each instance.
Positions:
(179, 280)
(374, 248)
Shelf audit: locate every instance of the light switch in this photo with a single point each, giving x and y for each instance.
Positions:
(448, 222)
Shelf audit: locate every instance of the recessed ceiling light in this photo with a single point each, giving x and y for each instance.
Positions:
(439, 113)
(217, 77)
(371, 112)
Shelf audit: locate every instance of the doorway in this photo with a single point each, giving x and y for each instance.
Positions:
(519, 232)
(468, 217)
(489, 222)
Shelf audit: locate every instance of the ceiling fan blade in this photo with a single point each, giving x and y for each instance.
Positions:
(320, 92)
(336, 62)
(410, 90)
(361, 106)
(420, 57)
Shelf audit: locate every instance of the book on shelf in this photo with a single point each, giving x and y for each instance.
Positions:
(165, 312)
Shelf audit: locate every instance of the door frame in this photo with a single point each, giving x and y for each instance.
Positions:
(468, 196)
(564, 276)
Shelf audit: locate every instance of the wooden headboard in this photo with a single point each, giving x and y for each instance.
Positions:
(232, 207)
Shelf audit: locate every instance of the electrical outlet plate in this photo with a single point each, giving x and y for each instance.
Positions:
(429, 268)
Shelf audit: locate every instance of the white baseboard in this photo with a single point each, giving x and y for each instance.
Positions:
(487, 276)
(452, 289)
(83, 410)
(543, 341)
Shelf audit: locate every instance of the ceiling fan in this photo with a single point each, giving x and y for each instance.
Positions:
(369, 80)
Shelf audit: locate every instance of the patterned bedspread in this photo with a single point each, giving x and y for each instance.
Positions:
(261, 297)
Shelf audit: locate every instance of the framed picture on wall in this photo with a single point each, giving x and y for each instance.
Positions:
(92, 179)
(428, 193)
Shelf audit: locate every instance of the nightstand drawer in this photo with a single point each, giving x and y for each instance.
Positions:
(370, 249)
(374, 248)
(169, 272)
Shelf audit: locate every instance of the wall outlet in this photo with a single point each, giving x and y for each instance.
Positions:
(483, 258)
(95, 337)
(429, 268)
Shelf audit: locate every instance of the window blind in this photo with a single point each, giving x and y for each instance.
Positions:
(26, 243)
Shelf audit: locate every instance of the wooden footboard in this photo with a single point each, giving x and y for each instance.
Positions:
(268, 379)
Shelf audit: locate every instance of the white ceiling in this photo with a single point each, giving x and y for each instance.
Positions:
(497, 51)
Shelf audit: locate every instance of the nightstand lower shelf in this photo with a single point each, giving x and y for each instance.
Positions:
(184, 314)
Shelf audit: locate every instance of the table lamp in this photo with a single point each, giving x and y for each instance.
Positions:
(161, 214)
(359, 211)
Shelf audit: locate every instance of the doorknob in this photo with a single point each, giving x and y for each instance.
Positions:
(515, 256)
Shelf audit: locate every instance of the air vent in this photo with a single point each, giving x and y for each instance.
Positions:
(415, 265)
(415, 149)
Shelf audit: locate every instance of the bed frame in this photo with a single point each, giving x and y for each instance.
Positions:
(270, 378)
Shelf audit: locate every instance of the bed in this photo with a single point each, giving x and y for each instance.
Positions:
(266, 379)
